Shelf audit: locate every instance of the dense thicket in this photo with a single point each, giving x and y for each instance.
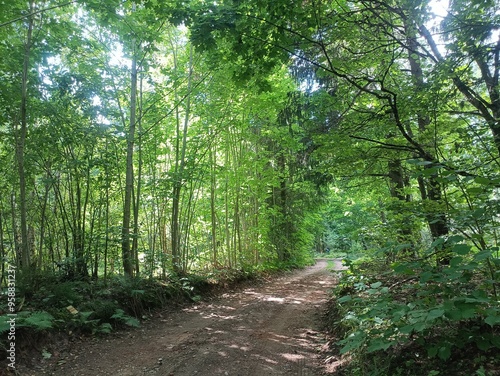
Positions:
(403, 98)
(135, 156)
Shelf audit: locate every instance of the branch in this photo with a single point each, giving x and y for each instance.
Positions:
(430, 40)
(385, 144)
(496, 65)
(175, 105)
(473, 98)
(36, 12)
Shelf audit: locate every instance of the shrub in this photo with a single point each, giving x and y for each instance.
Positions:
(420, 313)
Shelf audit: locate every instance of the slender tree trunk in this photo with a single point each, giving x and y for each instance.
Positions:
(135, 241)
(15, 233)
(226, 201)
(213, 213)
(174, 225)
(42, 226)
(179, 171)
(3, 257)
(127, 256)
(97, 252)
(106, 227)
(21, 140)
(90, 244)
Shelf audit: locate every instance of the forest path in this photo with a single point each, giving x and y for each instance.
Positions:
(269, 329)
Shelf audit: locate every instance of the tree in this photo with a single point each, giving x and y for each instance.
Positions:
(127, 253)
(262, 35)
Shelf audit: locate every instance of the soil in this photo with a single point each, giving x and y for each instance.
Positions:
(272, 328)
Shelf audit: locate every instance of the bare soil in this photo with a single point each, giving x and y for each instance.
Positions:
(272, 328)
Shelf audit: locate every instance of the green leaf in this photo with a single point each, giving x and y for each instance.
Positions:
(378, 344)
(435, 313)
(105, 328)
(474, 190)
(467, 310)
(46, 355)
(426, 276)
(4, 323)
(483, 181)
(344, 299)
(444, 352)
(437, 242)
(132, 321)
(456, 261)
(85, 315)
(403, 269)
(419, 326)
(461, 249)
(353, 342)
(483, 255)
(483, 343)
(492, 320)
(407, 329)
(455, 239)
(418, 162)
(495, 341)
(432, 351)
(454, 314)
(478, 213)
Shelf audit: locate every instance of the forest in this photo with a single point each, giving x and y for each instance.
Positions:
(149, 148)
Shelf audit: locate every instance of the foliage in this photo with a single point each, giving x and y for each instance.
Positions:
(31, 320)
(204, 145)
(416, 310)
(255, 132)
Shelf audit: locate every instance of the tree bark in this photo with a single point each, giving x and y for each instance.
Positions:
(21, 141)
(135, 241)
(213, 213)
(179, 173)
(128, 262)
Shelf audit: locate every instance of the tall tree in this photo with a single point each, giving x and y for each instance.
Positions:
(21, 140)
(127, 254)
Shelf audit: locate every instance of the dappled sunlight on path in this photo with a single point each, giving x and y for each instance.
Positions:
(271, 329)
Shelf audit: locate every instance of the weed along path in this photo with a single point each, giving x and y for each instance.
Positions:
(269, 329)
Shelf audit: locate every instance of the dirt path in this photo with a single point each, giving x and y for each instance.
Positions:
(271, 329)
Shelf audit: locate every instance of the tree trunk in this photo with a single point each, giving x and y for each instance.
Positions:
(21, 140)
(431, 189)
(135, 241)
(15, 233)
(397, 184)
(179, 171)
(127, 257)
(213, 213)
(3, 257)
(42, 225)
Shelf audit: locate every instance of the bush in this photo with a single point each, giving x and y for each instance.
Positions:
(37, 321)
(416, 313)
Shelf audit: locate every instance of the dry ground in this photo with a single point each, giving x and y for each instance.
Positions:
(269, 329)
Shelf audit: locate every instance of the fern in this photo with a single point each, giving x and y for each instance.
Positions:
(104, 328)
(38, 321)
(4, 323)
(121, 316)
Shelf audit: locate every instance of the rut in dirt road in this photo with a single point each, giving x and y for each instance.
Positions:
(272, 329)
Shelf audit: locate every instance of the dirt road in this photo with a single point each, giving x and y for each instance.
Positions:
(270, 329)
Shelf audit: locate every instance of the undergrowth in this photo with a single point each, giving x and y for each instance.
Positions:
(47, 305)
(415, 317)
